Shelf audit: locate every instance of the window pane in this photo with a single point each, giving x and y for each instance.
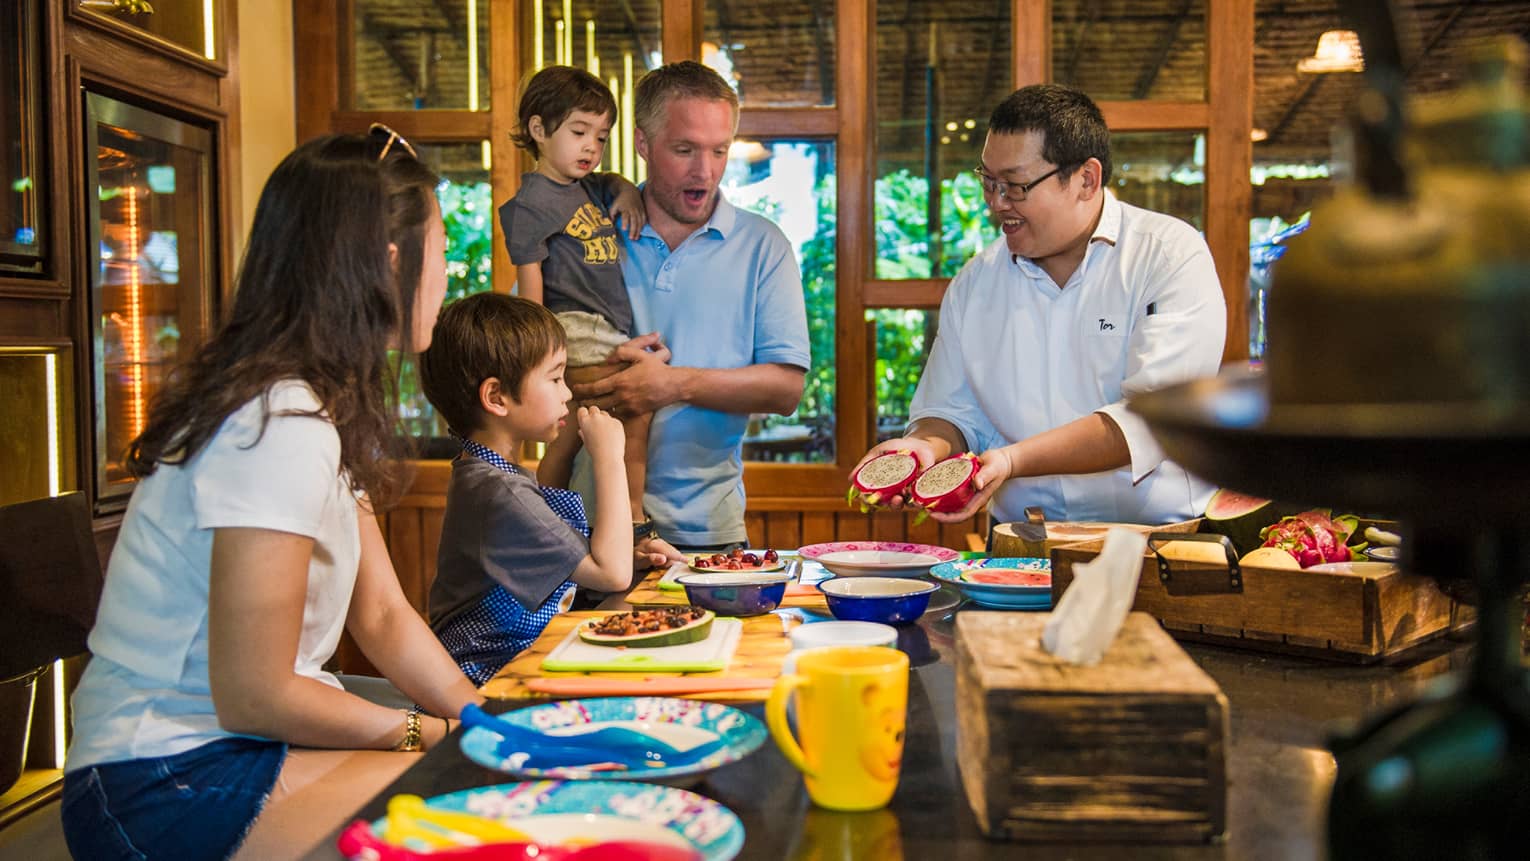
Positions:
(467, 210)
(616, 40)
(792, 184)
(189, 25)
(904, 338)
(774, 55)
(21, 235)
(932, 112)
(1161, 171)
(420, 56)
(1131, 49)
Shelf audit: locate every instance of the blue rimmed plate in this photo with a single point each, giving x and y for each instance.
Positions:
(683, 724)
(553, 811)
(1004, 583)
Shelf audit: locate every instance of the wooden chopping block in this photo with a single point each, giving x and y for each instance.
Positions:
(1132, 749)
(1006, 541)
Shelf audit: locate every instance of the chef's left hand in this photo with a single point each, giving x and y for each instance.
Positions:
(993, 470)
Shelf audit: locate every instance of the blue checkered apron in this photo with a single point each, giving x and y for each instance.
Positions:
(485, 637)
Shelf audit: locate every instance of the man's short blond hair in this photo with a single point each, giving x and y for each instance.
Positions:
(685, 79)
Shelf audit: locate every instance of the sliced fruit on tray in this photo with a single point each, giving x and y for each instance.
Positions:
(883, 477)
(1240, 517)
(947, 486)
(1270, 557)
(1314, 537)
(666, 626)
(738, 560)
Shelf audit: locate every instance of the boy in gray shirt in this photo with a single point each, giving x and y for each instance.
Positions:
(511, 551)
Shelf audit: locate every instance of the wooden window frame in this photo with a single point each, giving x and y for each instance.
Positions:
(1225, 117)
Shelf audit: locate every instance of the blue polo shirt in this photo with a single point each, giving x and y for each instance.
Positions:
(729, 296)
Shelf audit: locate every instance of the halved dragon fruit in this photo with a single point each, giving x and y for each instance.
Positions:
(947, 486)
(883, 477)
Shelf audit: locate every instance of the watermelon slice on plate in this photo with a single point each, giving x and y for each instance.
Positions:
(1004, 583)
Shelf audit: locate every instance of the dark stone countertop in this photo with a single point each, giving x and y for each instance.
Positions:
(1279, 773)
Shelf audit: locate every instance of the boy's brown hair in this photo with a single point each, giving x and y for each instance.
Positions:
(484, 335)
(553, 94)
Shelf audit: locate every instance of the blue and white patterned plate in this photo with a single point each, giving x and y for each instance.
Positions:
(681, 723)
(1003, 596)
(552, 811)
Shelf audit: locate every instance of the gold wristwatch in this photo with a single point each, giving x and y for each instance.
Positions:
(411, 739)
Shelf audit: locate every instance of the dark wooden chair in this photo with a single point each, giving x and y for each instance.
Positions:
(50, 586)
(50, 581)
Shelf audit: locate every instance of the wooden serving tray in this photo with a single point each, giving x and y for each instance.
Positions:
(761, 650)
(1353, 617)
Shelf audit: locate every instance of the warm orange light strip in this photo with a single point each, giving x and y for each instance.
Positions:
(132, 339)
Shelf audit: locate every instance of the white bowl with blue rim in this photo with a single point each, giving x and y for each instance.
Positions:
(682, 724)
(552, 812)
(1013, 583)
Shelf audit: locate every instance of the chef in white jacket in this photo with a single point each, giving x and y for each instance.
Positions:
(1084, 302)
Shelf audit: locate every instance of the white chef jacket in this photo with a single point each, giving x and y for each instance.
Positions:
(1015, 355)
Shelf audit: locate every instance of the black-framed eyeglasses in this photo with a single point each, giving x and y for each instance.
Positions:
(1014, 192)
(378, 130)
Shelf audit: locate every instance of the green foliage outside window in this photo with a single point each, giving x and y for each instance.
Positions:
(467, 209)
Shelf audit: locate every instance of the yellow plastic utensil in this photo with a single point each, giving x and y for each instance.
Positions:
(410, 818)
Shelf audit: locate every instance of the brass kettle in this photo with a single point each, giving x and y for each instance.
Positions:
(1414, 287)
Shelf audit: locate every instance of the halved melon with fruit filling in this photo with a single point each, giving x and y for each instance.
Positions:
(668, 626)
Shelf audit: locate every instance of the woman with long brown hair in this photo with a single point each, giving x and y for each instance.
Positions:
(250, 542)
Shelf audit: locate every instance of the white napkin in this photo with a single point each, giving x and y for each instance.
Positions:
(1088, 616)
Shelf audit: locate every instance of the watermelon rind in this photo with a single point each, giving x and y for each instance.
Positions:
(1240, 517)
(693, 632)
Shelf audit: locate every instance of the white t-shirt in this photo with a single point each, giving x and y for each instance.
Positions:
(1016, 355)
(146, 691)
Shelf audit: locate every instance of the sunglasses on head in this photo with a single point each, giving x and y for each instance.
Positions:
(380, 131)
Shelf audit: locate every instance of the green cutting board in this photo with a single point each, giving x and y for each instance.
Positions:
(574, 655)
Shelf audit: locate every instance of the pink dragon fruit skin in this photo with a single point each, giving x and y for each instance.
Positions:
(953, 498)
(1312, 537)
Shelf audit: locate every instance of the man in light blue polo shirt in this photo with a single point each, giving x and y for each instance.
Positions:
(721, 294)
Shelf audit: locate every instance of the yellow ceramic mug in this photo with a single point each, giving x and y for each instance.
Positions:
(851, 704)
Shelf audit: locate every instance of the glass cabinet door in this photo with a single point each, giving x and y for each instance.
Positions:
(153, 278)
(190, 26)
(21, 233)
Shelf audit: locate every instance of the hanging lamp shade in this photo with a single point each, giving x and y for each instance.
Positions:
(1337, 51)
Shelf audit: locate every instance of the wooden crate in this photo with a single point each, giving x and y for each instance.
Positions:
(1347, 617)
(1132, 749)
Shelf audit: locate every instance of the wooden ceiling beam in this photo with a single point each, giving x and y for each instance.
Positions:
(1296, 105)
(1435, 37)
(1161, 52)
(637, 37)
(370, 29)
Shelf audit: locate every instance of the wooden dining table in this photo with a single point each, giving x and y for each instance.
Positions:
(1279, 772)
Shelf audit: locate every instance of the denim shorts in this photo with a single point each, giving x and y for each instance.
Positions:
(193, 805)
